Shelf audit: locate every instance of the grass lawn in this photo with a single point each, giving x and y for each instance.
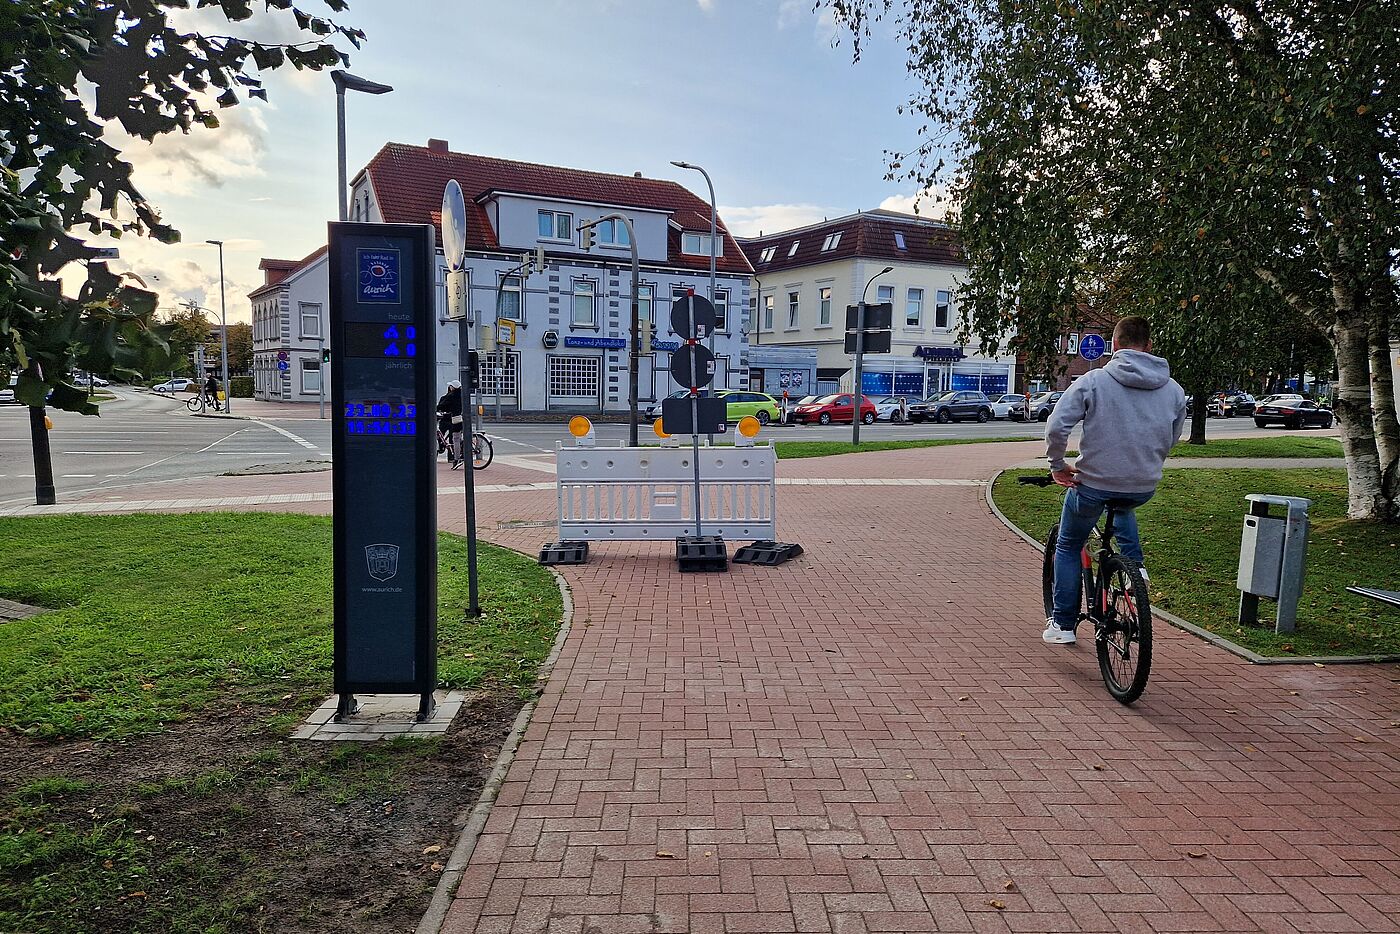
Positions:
(147, 779)
(794, 449)
(1281, 446)
(1191, 537)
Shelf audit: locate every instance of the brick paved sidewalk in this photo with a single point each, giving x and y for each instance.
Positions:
(873, 738)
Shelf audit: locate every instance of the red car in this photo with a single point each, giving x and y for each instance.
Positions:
(835, 408)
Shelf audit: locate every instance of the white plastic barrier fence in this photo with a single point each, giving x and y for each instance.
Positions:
(621, 493)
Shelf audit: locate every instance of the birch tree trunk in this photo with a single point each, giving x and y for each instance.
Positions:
(1366, 498)
(1383, 401)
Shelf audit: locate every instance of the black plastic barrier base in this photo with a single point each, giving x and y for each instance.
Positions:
(564, 553)
(767, 553)
(701, 553)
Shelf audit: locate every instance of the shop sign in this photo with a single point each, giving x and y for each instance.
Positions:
(607, 343)
(952, 354)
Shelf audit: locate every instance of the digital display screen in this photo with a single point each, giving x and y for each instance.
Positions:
(380, 341)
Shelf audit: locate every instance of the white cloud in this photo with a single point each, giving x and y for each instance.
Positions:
(790, 12)
(932, 202)
(184, 163)
(706, 6)
(770, 218)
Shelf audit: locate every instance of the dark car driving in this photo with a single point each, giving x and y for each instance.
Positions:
(952, 407)
(1292, 412)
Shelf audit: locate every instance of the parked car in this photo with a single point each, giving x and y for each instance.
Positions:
(1041, 406)
(1009, 405)
(83, 379)
(7, 395)
(741, 402)
(953, 407)
(1293, 412)
(890, 409)
(178, 384)
(834, 408)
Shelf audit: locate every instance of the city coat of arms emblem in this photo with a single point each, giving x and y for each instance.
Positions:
(383, 561)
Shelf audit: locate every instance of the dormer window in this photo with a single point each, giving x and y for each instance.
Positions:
(698, 244)
(899, 241)
(556, 225)
(767, 255)
(612, 233)
(831, 241)
(793, 252)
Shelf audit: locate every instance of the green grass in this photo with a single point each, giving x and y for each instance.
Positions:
(1191, 538)
(1281, 446)
(156, 616)
(795, 449)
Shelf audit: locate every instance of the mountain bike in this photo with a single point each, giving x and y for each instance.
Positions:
(1115, 601)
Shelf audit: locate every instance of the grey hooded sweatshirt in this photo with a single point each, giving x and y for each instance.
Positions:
(1133, 412)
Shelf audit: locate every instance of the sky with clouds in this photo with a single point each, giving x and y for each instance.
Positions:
(762, 93)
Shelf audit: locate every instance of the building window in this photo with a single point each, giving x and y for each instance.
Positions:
(831, 242)
(899, 241)
(556, 225)
(884, 294)
(585, 312)
(646, 297)
(767, 255)
(793, 250)
(310, 319)
(824, 297)
(768, 312)
(613, 233)
(792, 310)
(499, 374)
(914, 308)
(510, 307)
(575, 377)
(698, 244)
(1072, 345)
(942, 308)
(721, 304)
(310, 375)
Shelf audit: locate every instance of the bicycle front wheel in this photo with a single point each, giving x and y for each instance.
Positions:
(193, 404)
(1123, 636)
(482, 451)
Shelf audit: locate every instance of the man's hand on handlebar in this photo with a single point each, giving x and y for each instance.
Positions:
(1066, 477)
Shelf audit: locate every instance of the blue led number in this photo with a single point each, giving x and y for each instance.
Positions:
(381, 418)
(393, 334)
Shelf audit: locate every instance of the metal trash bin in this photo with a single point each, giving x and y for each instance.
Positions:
(1273, 558)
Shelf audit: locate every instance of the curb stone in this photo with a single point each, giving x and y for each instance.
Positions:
(1213, 638)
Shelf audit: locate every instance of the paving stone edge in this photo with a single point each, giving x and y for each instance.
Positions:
(1206, 634)
(475, 819)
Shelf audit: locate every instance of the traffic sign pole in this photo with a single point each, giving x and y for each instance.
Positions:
(454, 249)
(694, 406)
(858, 396)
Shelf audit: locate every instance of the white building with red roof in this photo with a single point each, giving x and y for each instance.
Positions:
(289, 328)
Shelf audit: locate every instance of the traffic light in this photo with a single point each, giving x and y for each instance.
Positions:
(588, 237)
(647, 331)
(325, 355)
(473, 371)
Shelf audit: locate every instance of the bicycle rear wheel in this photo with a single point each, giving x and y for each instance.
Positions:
(1047, 574)
(1123, 636)
(482, 451)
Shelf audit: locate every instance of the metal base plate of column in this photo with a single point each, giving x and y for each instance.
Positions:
(767, 553)
(701, 553)
(567, 552)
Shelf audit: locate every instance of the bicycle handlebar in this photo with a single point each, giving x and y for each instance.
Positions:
(1042, 480)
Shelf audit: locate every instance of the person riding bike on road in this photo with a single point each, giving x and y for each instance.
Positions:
(449, 409)
(1133, 412)
(211, 391)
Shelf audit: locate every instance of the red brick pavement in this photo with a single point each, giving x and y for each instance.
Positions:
(873, 739)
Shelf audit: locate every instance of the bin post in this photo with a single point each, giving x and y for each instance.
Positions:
(1273, 558)
(1295, 554)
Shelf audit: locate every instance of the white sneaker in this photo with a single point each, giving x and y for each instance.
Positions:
(1055, 635)
(1144, 574)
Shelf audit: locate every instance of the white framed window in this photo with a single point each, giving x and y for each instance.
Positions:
(310, 319)
(310, 375)
(792, 251)
(767, 255)
(556, 225)
(512, 307)
(646, 298)
(575, 377)
(721, 304)
(942, 308)
(698, 244)
(585, 303)
(831, 242)
(768, 302)
(500, 374)
(613, 233)
(1072, 345)
(792, 310)
(824, 305)
(914, 308)
(884, 294)
(899, 241)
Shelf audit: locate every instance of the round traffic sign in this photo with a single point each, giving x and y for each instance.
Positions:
(282, 355)
(454, 225)
(681, 316)
(283, 365)
(1091, 346)
(704, 362)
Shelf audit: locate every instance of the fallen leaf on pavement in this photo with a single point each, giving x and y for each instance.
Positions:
(1009, 885)
(1195, 854)
(997, 904)
(664, 854)
(436, 867)
(432, 849)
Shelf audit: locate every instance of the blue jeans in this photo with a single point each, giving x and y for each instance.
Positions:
(1083, 506)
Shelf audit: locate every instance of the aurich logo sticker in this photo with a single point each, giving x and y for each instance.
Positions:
(383, 561)
(378, 276)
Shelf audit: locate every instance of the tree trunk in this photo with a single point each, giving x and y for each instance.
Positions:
(1383, 402)
(1199, 400)
(1366, 498)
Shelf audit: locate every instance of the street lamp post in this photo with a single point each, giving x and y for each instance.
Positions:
(345, 81)
(632, 357)
(223, 330)
(858, 395)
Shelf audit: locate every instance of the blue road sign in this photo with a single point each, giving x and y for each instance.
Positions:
(1091, 346)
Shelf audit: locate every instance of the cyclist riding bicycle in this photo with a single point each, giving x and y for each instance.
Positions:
(449, 410)
(1133, 412)
(211, 391)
